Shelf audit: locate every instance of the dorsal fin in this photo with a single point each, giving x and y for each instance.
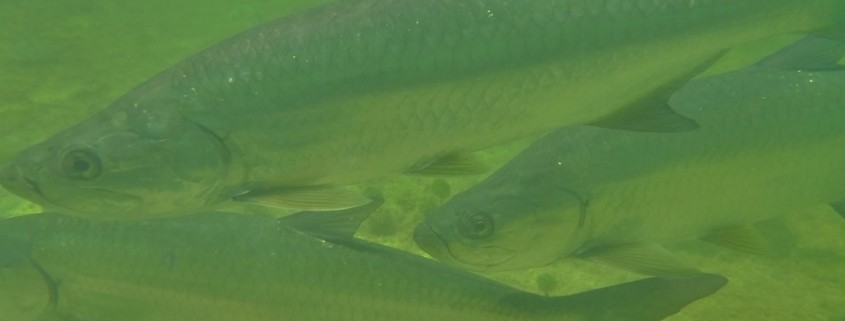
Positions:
(651, 112)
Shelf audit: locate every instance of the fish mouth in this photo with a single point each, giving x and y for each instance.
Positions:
(18, 183)
(435, 245)
(430, 241)
(491, 265)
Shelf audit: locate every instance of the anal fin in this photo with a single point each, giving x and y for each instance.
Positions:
(648, 259)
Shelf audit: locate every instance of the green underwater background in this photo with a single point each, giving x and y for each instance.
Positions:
(61, 61)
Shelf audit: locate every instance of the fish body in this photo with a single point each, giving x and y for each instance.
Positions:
(219, 266)
(361, 89)
(770, 143)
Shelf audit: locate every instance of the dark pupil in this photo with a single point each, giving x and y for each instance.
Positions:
(480, 226)
(81, 165)
(477, 226)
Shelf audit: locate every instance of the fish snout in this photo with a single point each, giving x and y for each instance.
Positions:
(429, 241)
(14, 180)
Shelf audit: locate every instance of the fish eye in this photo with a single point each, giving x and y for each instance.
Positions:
(81, 163)
(477, 225)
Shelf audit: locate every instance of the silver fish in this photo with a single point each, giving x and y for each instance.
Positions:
(771, 142)
(223, 267)
(287, 113)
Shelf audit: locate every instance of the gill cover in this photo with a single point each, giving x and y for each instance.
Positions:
(26, 293)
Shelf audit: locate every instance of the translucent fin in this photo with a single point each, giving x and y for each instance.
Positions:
(452, 165)
(809, 53)
(649, 299)
(317, 198)
(332, 224)
(652, 113)
(648, 259)
(739, 238)
(839, 207)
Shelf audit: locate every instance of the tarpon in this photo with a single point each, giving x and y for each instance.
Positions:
(224, 267)
(771, 142)
(289, 112)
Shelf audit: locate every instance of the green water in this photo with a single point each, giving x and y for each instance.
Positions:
(62, 61)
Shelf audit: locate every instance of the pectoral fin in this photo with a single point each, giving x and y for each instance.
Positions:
(739, 238)
(455, 164)
(331, 225)
(648, 259)
(311, 198)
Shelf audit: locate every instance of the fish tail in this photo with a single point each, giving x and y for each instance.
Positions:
(649, 299)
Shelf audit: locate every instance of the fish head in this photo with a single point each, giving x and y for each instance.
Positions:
(502, 229)
(123, 163)
(25, 290)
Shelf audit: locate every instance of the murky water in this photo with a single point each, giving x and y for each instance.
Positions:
(62, 61)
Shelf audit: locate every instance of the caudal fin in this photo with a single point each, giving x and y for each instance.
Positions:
(644, 300)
